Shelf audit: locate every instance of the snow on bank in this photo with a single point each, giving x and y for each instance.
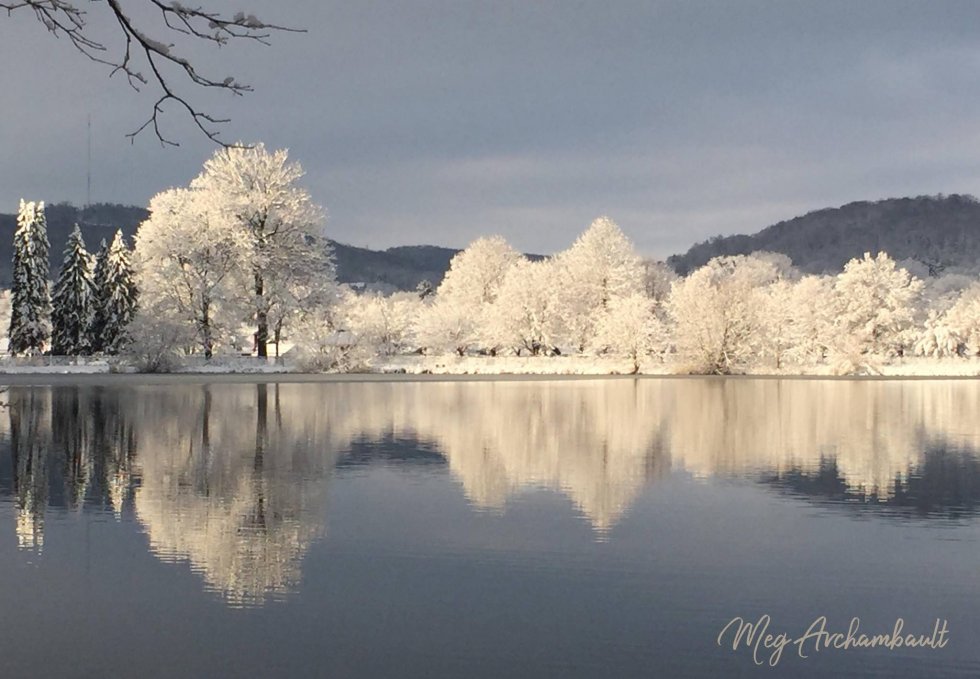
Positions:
(502, 365)
(594, 365)
(90, 369)
(513, 365)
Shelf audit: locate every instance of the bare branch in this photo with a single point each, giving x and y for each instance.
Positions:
(63, 17)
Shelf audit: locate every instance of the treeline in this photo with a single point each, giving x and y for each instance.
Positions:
(89, 308)
(599, 298)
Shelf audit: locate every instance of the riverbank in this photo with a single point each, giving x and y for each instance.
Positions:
(417, 367)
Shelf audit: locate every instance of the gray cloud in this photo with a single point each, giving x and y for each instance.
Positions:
(439, 121)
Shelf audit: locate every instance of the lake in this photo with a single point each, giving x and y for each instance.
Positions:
(511, 528)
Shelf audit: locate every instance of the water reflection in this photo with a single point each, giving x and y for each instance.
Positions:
(233, 479)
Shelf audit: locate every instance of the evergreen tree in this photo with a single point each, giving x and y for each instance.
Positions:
(96, 330)
(72, 301)
(117, 297)
(30, 318)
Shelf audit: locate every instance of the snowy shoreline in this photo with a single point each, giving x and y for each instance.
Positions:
(477, 368)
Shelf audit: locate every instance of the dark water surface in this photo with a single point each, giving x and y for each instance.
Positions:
(590, 528)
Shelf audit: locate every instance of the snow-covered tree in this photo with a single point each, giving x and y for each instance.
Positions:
(715, 312)
(599, 266)
(811, 319)
(100, 269)
(311, 283)
(780, 317)
(30, 315)
(956, 331)
(71, 302)
(473, 282)
(188, 255)
(937, 339)
(657, 279)
(116, 296)
(776, 316)
(445, 327)
(876, 305)
(385, 324)
(322, 340)
(525, 316)
(257, 194)
(475, 274)
(4, 308)
(628, 327)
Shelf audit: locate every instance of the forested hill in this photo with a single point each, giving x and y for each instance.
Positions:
(942, 232)
(401, 268)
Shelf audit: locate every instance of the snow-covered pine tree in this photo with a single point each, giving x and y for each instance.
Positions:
(71, 303)
(116, 296)
(30, 317)
(96, 329)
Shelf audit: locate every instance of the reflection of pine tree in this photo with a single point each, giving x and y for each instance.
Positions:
(28, 437)
(70, 433)
(113, 446)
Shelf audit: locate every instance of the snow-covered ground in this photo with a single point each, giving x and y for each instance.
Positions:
(505, 365)
(593, 365)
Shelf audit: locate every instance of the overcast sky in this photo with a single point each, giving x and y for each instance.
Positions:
(436, 122)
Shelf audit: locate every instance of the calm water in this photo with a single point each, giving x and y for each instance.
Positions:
(597, 528)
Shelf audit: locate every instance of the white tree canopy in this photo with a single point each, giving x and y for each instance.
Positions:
(599, 266)
(279, 240)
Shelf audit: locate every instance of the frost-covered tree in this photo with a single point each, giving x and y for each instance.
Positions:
(100, 268)
(475, 274)
(30, 314)
(188, 255)
(776, 316)
(955, 332)
(116, 296)
(310, 284)
(384, 324)
(811, 319)
(473, 282)
(257, 194)
(876, 305)
(424, 289)
(628, 327)
(937, 339)
(657, 279)
(4, 308)
(525, 315)
(778, 308)
(715, 312)
(71, 302)
(445, 327)
(599, 266)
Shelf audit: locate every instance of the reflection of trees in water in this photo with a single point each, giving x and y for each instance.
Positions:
(945, 483)
(592, 440)
(233, 478)
(28, 454)
(874, 432)
(231, 485)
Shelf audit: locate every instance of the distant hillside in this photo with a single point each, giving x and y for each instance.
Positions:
(942, 232)
(400, 268)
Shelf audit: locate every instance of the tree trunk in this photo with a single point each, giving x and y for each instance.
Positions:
(206, 329)
(261, 319)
